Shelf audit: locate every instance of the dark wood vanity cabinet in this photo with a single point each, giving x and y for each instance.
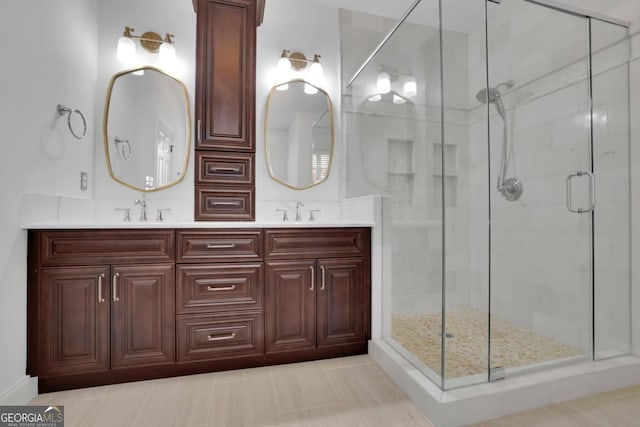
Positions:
(87, 316)
(108, 306)
(316, 305)
(225, 110)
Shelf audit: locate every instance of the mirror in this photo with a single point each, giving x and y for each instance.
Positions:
(298, 134)
(147, 129)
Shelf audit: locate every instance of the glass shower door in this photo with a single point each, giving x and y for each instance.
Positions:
(542, 190)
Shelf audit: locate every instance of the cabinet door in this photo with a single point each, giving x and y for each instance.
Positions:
(74, 320)
(142, 315)
(290, 306)
(340, 301)
(225, 74)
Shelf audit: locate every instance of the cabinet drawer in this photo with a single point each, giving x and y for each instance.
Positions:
(106, 247)
(203, 288)
(220, 336)
(225, 204)
(224, 168)
(314, 242)
(212, 246)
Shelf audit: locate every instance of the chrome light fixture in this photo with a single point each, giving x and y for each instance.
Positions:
(150, 41)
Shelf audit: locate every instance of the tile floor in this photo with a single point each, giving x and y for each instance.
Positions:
(351, 391)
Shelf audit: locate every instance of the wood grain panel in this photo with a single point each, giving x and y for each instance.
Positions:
(225, 77)
(225, 204)
(290, 306)
(88, 247)
(214, 167)
(341, 301)
(220, 245)
(314, 243)
(143, 317)
(220, 335)
(74, 324)
(219, 287)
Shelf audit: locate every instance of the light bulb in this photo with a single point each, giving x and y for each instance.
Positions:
(410, 87)
(398, 99)
(167, 54)
(316, 72)
(126, 52)
(384, 83)
(310, 89)
(284, 68)
(375, 98)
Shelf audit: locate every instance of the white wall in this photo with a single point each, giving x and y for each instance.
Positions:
(308, 28)
(166, 16)
(49, 57)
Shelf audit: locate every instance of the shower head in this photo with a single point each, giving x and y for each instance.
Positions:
(492, 96)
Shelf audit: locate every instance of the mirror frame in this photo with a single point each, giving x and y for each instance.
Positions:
(266, 139)
(105, 122)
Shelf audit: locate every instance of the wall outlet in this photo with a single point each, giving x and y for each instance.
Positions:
(84, 181)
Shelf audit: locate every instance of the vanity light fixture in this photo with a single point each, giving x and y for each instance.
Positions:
(375, 98)
(383, 83)
(150, 41)
(289, 63)
(410, 88)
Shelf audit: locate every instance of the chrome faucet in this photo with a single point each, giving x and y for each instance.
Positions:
(143, 207)
(298, 206)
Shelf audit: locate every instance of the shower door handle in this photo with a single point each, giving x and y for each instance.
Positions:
(592, 192)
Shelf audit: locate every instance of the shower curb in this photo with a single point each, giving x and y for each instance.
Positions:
(486, 401)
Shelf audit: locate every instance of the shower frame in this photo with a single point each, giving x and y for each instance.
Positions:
(562, 8)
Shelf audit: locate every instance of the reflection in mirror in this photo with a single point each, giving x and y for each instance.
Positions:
(147, 129)
(299, 134)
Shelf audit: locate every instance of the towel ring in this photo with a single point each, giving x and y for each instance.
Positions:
(62, 110)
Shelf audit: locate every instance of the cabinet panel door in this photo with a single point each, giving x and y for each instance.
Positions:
(143, 315)
(340, 301)
(290, 306)
(74, 320)
(225, 77)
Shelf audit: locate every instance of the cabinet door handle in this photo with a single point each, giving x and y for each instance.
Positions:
(221, 337)
(223, 246)
(313, 277)
(100, 279)
(226, 288)
(114, 283)
(199, 131)
(223, 169)
(322, 281)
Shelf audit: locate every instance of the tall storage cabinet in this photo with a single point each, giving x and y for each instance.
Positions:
(225, 110)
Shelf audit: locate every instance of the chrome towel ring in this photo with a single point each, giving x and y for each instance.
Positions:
(62, 110)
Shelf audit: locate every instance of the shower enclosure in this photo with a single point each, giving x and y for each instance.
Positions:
(498, 136)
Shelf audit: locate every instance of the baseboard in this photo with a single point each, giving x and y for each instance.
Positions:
(21, 392)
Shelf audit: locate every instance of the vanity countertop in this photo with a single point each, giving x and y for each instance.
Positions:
(76, 225)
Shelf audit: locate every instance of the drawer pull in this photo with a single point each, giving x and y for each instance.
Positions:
(236, 203)
(100, 298)
(223, 169)
(221, 337)
(223, 246)
(226, 288)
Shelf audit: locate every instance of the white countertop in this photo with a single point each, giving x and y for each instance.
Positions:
(75, 225)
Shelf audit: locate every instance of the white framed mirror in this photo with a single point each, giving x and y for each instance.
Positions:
(299, 134)
(147, 129)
